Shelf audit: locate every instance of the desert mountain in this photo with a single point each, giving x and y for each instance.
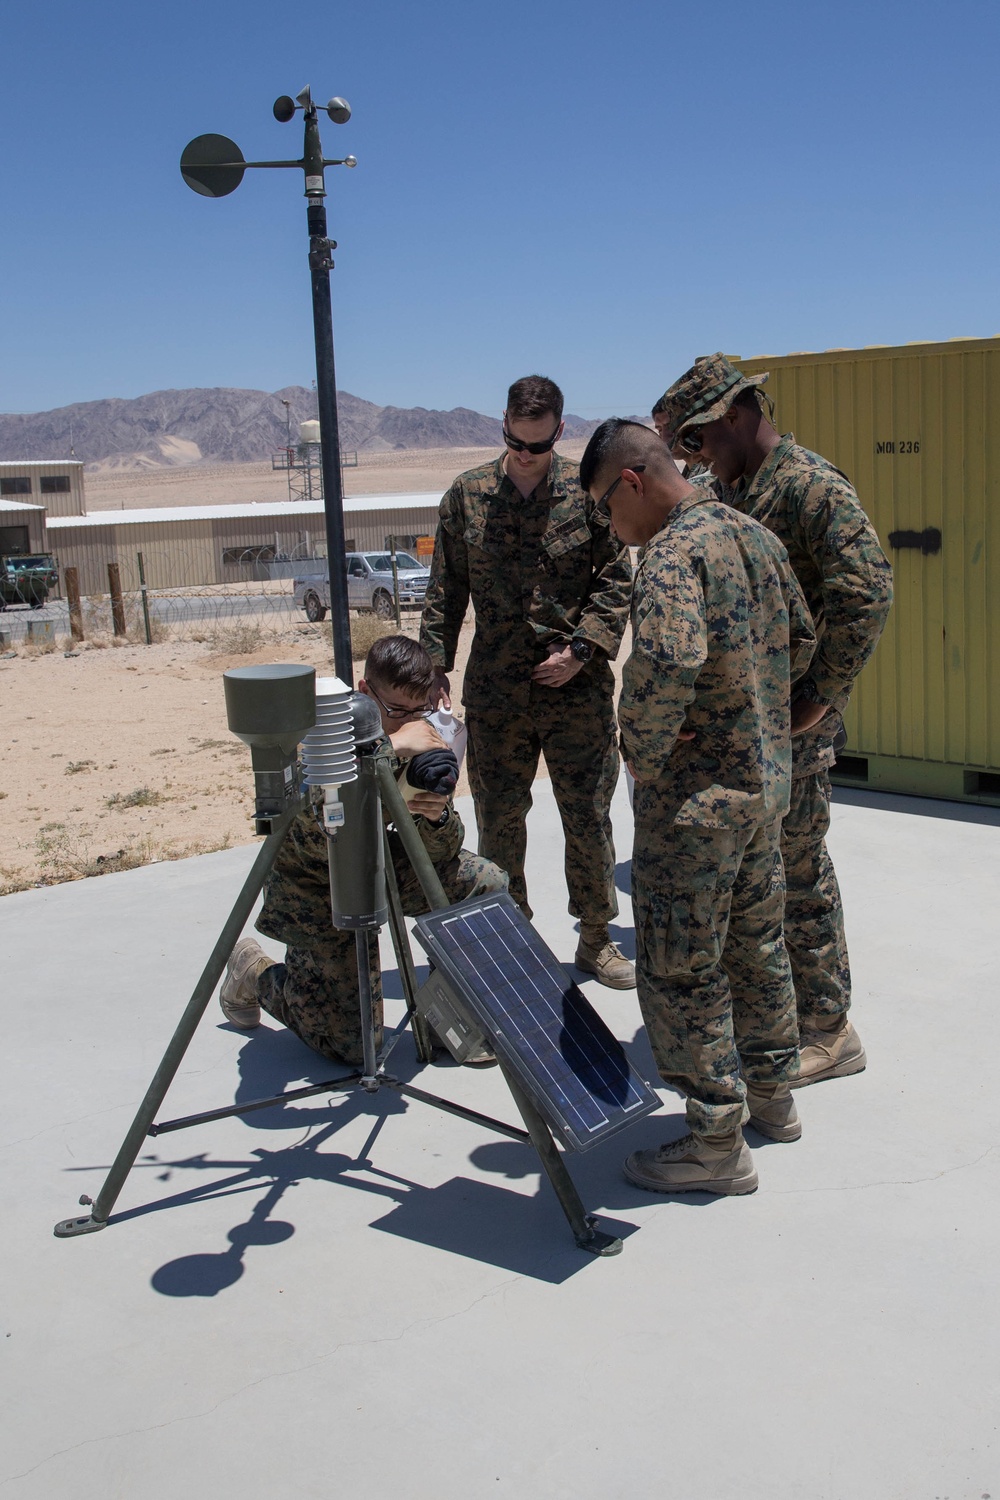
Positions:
(171, 428)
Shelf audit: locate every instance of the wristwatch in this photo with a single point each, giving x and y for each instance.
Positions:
(581, 649)
(807, 690)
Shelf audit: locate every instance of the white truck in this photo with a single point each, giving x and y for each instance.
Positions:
(369, 585)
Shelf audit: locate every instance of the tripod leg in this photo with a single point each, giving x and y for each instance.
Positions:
(368, 1079)
(404, 959)
(423, 865)
(179, 1042)
(582, 1224)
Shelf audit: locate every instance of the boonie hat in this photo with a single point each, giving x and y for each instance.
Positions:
(703, 393)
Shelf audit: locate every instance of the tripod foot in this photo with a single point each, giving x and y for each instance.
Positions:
(596, 1242)
(85, 1224)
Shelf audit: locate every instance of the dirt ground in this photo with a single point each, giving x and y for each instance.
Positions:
(417, 470)
(131, 740)
(137, 759)
(117, 756)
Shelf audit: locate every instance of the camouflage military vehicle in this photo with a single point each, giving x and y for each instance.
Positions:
(27, 579)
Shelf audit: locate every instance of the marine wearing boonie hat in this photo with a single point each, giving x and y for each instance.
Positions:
(703, 394)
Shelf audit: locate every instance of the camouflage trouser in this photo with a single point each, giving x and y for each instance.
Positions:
(578, 738)
(814, 917)
(315, 991)
(713, 977)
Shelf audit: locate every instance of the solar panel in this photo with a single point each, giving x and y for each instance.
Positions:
(542, 1025)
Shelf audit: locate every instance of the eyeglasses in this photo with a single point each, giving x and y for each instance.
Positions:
(690, 441)
(400, 713)
(517, 446)
(602, 504)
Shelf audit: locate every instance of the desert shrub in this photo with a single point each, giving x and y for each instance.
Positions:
(237, 638)
(365, 631)
(142, 796)
(99, 627)
(64, 856)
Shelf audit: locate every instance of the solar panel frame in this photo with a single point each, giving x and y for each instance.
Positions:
(498, 965)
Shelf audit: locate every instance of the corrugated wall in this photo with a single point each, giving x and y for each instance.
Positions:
(917, 430)
(371, 527)
(175, 554)
(59, 503)
(89, 549)
(295, 535)
(188, 553)
(31, 519)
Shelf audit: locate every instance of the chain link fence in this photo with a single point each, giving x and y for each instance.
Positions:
(161, 594)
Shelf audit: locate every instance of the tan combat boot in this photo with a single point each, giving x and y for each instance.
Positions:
(771, 1111)
(695, 1164)
(597, 954)
(833, 1051)
(238, 995)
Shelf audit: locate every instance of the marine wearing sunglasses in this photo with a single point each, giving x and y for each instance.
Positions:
(516, 446)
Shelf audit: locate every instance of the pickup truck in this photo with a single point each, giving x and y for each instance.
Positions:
(27, 580)
(369, 585)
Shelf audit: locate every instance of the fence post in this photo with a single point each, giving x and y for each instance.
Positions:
(73, 600)
(145, 601)
(395, 585)
(117, 602)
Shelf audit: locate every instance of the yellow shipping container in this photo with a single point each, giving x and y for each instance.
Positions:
(916, 429)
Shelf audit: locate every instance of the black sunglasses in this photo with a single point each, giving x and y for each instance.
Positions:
(517, 446)
(690, 441)
(602, 504)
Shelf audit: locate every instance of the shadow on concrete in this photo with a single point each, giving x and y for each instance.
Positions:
(525, 1234)
(921, 807)
(623, 877)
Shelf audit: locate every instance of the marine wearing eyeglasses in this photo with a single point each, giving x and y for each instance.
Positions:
(719, 626)
(550, 587)
(314, 992)
(714, 413)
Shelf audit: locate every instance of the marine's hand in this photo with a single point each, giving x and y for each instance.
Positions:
(806, 713)
(429, 805)
(414, 738)
(558, 668)
(440, 692)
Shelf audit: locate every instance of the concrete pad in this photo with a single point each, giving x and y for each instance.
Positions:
(370, 1297)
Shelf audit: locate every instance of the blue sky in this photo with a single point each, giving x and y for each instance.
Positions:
(596, 192)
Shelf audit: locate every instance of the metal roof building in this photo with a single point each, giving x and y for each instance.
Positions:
(22, 528)
(197, 545)
(56, 485)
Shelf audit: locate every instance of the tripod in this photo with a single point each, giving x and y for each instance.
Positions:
(375, 779)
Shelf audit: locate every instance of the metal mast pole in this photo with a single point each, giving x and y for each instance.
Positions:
(320, 265)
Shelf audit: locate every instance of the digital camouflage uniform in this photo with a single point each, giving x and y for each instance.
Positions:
(833, 548)
(315, 991)
(540, 572)
(714, 607)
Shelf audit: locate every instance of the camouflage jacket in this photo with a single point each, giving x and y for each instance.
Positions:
(703, 479)
(296, 907)
(847, 580)
(720, 629)
(539, 572)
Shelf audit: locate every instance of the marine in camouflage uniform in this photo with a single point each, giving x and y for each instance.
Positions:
(719, 628)
(543, 574)
(847, 581)
(315, 991)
